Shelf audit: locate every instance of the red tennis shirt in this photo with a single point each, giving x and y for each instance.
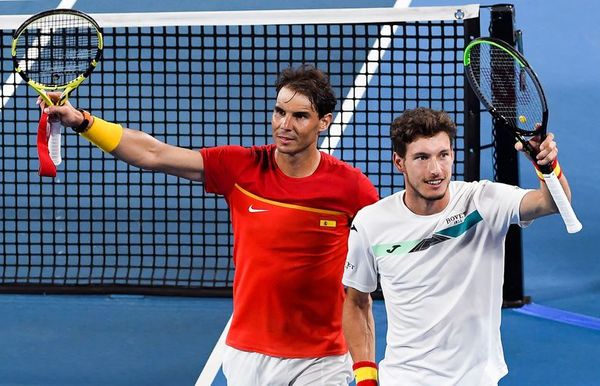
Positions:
(290, 245)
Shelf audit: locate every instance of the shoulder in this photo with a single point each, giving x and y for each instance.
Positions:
(220, 151)
(341, 169)
(350, 183)
(498, 204)
(498, 190)
(239, 149)
(485, 192)
(383, 207)
(468, 190)
(259, 154)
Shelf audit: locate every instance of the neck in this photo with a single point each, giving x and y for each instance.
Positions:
(298, 165)
(423, 206)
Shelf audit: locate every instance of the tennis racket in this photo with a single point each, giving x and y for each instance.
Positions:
(55, 50)
(509, 88)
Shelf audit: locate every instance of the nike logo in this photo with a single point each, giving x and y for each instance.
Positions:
(253, 210)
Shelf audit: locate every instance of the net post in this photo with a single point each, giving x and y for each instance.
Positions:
(502, 26)
(472, 114)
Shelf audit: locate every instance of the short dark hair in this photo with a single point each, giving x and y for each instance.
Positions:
(312, 83)
(419, 122)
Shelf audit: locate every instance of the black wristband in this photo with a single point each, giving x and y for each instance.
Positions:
(84, 125)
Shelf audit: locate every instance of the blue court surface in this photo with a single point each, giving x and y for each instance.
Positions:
(67, 340)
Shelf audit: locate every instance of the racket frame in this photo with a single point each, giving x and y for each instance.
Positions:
(53, 131)
(541, 129)
(556, 191)
(68, 87)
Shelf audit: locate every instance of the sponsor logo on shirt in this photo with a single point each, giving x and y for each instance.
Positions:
(393, 248)
(252, 209)
(328, 223)
(457, 225)
(349, 266)
(456, 219)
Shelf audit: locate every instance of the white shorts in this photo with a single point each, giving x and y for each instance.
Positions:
(243, 368)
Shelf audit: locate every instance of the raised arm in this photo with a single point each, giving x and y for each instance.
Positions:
(539, 202)
(131, 146)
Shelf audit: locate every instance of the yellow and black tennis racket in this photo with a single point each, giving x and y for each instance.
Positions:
(55, 50)
(509, 88)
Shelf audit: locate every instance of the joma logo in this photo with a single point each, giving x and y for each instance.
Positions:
(393, 248)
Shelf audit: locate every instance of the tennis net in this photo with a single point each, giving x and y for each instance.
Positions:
(204, 79)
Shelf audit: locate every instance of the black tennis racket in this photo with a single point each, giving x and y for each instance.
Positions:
(508, 87)
(56, 50)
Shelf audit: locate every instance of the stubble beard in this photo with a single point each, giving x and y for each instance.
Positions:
(420, 194)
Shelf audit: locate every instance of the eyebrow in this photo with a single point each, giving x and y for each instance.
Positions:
(422, 153)
(279, 108)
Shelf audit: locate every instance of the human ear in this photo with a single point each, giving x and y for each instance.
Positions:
(398, 162)
(325, 121)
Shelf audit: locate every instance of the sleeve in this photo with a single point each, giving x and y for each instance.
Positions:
(499, 204)
(360, 270)
(221, 167)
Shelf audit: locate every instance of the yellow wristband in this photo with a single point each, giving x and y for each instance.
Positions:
(104, 134)
(365, 373)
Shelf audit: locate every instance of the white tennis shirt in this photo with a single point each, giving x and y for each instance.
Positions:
(441, 277)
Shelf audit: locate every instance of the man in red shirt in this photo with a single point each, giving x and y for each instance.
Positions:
(291, 207)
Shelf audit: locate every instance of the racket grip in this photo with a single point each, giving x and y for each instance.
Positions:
(562, 202)
(54, 142)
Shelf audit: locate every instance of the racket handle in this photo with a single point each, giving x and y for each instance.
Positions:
(54, 142)
(562, 202)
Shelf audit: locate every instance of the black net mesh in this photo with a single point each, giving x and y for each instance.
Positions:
(101, 225)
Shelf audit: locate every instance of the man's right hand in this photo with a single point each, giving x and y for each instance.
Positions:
(68, 115)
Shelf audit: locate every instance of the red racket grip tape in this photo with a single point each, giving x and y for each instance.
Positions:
(47, 167)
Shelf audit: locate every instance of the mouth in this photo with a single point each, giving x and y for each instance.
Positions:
(285, 140)
(434, 183)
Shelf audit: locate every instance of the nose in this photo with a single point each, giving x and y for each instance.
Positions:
(285, 122)
(434, 166)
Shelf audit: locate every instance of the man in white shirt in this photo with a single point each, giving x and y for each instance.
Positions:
(438, 247)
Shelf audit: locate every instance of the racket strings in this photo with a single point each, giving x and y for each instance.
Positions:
(507, 86)
(56, 49)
